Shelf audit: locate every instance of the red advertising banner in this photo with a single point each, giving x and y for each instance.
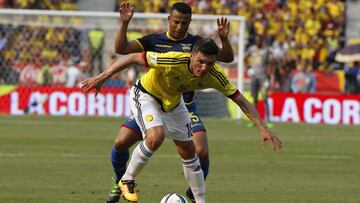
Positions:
(65, 101)
(314, 108)
(284, 107)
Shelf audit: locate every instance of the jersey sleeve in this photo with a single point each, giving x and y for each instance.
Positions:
(151, 59)
(166, 60)
(145, 41)
(222, 83)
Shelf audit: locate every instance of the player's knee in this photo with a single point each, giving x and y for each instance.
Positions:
(154, 140)
(154, 143)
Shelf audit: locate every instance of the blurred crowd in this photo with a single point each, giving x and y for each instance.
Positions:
(300, 39)
(43, 4)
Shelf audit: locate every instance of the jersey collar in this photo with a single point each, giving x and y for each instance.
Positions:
(173, 39)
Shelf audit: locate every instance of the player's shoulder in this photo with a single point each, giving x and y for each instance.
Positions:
(192, 38)
(218, 72)
(174, 55)
(153, 35)
(168, 59)
(218, 67)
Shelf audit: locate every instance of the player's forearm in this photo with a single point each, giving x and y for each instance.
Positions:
(250, 111)
(226, 53)
(121, 64)
(121, 39)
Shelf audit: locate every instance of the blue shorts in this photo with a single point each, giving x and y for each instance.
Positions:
(131, 124)
(196, 123)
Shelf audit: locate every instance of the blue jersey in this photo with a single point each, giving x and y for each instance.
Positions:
(163, 42)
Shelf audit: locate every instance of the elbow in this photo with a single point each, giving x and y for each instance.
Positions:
(119, 51)
(227, 59)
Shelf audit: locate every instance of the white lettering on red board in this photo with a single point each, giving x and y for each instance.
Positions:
(329, 111)
(73, 104)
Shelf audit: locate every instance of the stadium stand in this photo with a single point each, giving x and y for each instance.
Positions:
(294, 31)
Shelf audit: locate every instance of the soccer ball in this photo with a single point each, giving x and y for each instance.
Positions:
(173, 198)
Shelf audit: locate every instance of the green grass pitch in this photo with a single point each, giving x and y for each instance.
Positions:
(66, 160)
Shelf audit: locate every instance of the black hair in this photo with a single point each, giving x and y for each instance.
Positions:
(181, 7)
(206, 46)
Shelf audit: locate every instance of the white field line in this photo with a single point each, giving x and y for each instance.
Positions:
(334, 157)
(72, 155)
(42, 122)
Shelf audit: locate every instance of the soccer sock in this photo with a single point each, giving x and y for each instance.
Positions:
(118, 160)
(195, 177)
(139, 158)
(205, 167)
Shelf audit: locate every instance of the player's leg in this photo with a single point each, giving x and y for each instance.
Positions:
(265, 88)
(192, 170)
(128, 135)
(199, 138)
(178, 128)
(139, 159)
(202, 150)
(148, 115)
(264, 93)
(201, 143)
(254, 91)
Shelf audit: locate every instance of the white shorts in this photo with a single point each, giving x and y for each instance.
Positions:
(148, 113)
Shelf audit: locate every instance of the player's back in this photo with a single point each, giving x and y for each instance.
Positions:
(169, 76)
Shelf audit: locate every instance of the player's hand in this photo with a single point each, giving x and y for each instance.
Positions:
(93, 82)
(126, 11)
(267, 135)
(223, 27)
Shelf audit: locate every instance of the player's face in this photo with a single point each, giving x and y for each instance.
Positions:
(178, 24)
(200, 64)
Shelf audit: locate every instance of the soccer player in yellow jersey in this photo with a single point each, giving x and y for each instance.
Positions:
(176, 38)
(159, 110)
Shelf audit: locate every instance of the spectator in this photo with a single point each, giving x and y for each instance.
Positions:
(45, 76)
(96, 44)
(351, 80)
(259, 55)
(303, 81)
(73, 75)
(3, 41)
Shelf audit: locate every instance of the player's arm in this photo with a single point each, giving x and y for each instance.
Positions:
(226, 53)
(252, 114)
(121, 64)
(122, 46)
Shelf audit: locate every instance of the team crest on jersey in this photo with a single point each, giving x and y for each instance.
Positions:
(186, 47)
(200, 85)
(153, 58)
(149, 118)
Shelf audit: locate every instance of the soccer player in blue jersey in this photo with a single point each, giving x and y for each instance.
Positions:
(158, 108)
(176, 39)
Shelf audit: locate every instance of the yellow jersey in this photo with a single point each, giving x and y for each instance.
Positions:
(169, 76)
